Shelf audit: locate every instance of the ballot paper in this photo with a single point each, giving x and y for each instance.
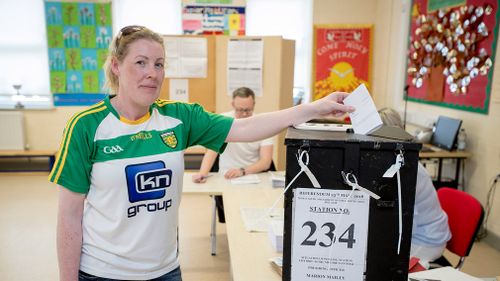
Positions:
(258, 219)
(247, 179)
(441, 274)
(365, 118)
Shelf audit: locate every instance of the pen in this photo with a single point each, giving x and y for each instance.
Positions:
(205, 177)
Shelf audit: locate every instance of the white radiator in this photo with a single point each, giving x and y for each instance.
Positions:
(12, 130)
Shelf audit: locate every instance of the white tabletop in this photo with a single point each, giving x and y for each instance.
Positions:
(249, 251)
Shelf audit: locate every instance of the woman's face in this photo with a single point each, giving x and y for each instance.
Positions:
(141, 72)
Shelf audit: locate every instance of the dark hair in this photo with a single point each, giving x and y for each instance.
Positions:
(119, 49)
(244, 92)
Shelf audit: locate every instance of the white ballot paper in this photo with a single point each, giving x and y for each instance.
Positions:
(329, 234)
(246, 179)
(258, 219)
(441, 274)
(365, 118)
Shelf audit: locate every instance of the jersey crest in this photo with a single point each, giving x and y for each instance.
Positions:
(169, 139)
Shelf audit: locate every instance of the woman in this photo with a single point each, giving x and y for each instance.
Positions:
(120, 165)
(430, 223)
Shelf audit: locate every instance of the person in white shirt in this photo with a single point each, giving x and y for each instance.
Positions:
(239, 158)
(431, 231)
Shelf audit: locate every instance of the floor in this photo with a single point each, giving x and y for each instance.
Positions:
(27, 236)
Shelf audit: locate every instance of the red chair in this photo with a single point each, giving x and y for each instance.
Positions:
(465, 216)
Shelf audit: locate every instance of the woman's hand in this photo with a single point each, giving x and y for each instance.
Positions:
(331, 105)
(199, 178)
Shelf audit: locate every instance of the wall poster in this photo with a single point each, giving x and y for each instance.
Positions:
(213, 17)
(451, 53)
(341, 58)
(78, 35)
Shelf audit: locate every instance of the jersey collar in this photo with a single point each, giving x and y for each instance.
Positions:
(143, 119)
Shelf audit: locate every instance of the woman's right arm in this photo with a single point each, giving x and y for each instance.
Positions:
(69, 233)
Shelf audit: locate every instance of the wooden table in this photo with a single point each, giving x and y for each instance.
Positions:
(442, 154)
(50, 154)
(249, 251)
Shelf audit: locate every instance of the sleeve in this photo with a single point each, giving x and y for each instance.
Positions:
(73, 165)
(208, 129)
(267, 142)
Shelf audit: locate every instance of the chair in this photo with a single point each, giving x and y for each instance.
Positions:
(465, 216)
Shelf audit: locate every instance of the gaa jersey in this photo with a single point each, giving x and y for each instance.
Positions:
(131, 173)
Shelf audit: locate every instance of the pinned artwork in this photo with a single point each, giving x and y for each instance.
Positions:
(78, 36)
(451, 53)
(341, 58)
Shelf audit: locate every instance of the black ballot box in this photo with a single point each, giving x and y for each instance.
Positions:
(320, 242)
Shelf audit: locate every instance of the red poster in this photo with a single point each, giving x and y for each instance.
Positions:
(451, 53)
(341, 59)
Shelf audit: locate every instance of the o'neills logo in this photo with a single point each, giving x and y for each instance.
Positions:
(329, 210)
(169, 139)
(111, 149)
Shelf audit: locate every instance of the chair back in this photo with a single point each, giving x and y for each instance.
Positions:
(465, 216)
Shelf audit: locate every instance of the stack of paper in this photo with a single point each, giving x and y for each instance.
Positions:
(278, 179)
(258, 219)
(277, 264)
(275, 234)
(248, 179)
(442, 274)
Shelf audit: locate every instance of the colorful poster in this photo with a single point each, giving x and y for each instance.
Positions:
(341, 58)
(218, 17)
(78, 36)
(451, 53)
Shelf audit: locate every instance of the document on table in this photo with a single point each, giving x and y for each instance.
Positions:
(248, 179)
(277, 179)
(365, 118)
(441, 274)
(258, 219)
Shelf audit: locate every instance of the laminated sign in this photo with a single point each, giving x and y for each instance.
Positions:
(329, 234)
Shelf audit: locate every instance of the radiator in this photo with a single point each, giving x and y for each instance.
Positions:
(12, 135)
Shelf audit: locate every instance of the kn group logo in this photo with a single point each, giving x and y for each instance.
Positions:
(147, 181)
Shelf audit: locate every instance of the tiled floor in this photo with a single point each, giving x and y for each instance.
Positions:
(27, 236)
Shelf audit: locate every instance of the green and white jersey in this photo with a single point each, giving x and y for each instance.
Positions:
(132, 175)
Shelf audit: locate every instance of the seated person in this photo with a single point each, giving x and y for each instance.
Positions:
(240, 158)
(430, 223)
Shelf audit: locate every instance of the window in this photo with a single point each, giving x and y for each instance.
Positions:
(23, 55)
(291, 19)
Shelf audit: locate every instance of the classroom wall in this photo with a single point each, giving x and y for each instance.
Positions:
(44, 128)
(390, 18)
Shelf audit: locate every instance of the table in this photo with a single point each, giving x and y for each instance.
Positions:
(249, 251)
(214, 186)
(49, 154)
(458, 155)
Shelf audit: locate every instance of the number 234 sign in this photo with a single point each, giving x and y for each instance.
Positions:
(329, 235)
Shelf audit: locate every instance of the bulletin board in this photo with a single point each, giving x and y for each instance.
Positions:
(341, 58)
(451, 53)
(213, 17)
(200, 90)
(78, 36)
